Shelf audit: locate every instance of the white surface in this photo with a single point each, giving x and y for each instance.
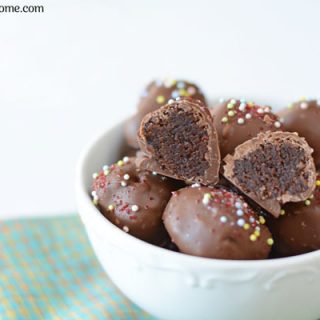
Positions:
(175, 286)
(79, 67)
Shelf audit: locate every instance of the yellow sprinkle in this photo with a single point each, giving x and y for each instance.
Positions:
(183, 93)
(318, 183)
(311, 197)
(250, 104)
(257, 233)
(224, 120)
(120, 163)
(110, 207)
(160, 99)
(262, 220)
(246, 226)
(230, 106)
(307, 202)
(303, 98)
(95, 201)
(231, 113)
(106, 172)
(253, 237)
(270, 241)
(282, 212)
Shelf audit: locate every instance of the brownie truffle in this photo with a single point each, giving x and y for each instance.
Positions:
(179, 140)
(297, 230)
(237, 121)
(272, 169)
(304, 117)
(216, 223)
(133, 199)
(157, 94)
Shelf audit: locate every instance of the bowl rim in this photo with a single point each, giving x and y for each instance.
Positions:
(83, 198)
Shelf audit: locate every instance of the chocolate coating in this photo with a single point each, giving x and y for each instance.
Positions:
(132, 199)
(272, 169)
(238, 121)
(304, 117)
(297, 231)
(216, 223)
(179, 140)
(157, 94)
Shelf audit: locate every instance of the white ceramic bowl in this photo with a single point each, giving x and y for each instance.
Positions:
(172, 285)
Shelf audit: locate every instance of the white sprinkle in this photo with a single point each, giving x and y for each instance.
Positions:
(195, 185)
(106, 172)
(238, 205)
(126, 177)
(95, 175)
(94, 193)
(277, 124)
(252, 219)
(257, 228)
(105, 168)
(281, 120)
(239, 212)
(170, 101)
(241, 222)
(242, 106)
(125, 159)
(223, 219)
(221, 100)
(303, 105)
(240, 121)
(123, 184)
(206, 198)
(260, 110)
(125, 228)
(178, 98)
(267, 109)
(134, 208)
(248, 116)
(154, 173)
(233, 101)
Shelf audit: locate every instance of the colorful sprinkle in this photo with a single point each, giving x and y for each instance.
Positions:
(206, 198)
(303, 105)
(270, 241)
(120, 163)
(239, 212)
(223, 219)
(253, 237)
(262, 220)
(191, 90)
(246, 226)
(160, 99)
(318, 183)
(181, 85)
(134, 208)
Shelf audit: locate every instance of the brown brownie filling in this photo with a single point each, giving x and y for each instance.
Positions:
(272, 170)
(180, 142)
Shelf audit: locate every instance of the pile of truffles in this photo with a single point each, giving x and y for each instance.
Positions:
(235, 181)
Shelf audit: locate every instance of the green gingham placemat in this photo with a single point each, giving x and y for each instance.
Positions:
(48, 271)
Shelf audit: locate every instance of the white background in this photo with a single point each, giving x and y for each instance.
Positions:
(79, 67)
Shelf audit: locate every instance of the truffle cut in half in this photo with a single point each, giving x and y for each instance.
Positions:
(179, 140)
(272, 169)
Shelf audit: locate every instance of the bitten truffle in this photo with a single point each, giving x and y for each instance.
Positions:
(297, 230)
(216, 223)
(303, 117)
(272, 169)
(179, 140)
(133, 199)
(155, 95)
(237, 121)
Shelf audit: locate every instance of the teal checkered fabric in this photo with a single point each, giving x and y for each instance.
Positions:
(49, 272)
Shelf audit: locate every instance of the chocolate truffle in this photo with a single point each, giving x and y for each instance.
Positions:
(179, 140)
(272, 169)
(297, 230)
(216, 223)
(237, 121)
(304, 117)
(133, 199)
(157, 94)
